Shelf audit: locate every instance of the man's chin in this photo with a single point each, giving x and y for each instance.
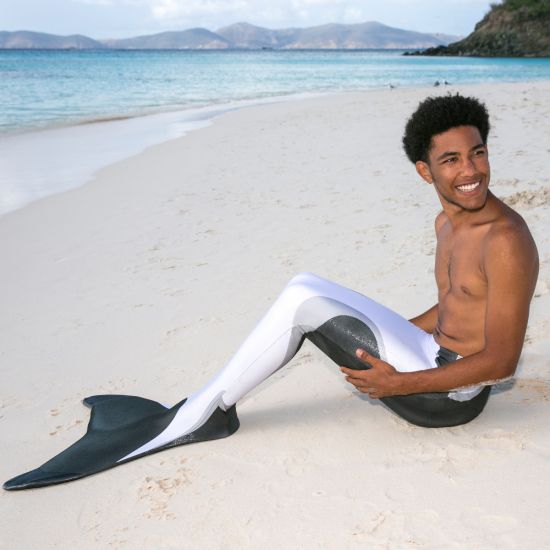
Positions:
(477, 207)
(471, 204)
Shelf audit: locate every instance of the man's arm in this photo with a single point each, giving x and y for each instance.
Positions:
(511, 268)
(428, 320)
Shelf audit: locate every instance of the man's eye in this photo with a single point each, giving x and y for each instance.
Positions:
(450, 160)
(480, 153)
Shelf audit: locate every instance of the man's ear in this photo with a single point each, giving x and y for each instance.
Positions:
(424, 171)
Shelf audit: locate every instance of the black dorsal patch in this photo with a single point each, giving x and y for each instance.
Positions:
(340, 336)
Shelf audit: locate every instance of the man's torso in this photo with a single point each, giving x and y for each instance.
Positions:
(461, 279)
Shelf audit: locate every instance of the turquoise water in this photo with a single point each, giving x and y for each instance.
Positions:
(46, 96)
(41, 89)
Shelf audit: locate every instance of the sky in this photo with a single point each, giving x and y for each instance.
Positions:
(125, 18)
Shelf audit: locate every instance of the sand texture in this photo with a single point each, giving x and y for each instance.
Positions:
(145, 280)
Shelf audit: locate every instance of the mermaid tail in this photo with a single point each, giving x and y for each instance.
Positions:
(118, 425)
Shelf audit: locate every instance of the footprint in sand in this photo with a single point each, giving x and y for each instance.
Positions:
(478, 520)
(157, 492)
(500, 440)
(66, 427)
(529, 199)
(455, 459)
(513, 182)
(533, 389)
(113, 385)
(393, 528)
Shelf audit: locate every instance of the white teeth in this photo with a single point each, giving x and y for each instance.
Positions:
(469, 187)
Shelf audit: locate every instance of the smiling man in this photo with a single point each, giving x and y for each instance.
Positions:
(435, 370)
(486, 262)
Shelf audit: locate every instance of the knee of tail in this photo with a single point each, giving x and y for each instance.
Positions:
(303, 278)
(301, 287)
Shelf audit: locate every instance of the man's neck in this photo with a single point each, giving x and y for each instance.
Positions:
(460, 216)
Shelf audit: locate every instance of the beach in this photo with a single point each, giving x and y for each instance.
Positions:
(145, 280)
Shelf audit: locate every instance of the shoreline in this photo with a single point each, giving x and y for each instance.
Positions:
(77, 140)
(166, 110)
(51, 176)
(226, 106)
(145, 280)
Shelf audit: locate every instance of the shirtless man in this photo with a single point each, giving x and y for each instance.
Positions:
(486, 262)
(433, 371)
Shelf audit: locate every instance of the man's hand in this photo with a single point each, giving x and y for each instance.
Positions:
(381, 380)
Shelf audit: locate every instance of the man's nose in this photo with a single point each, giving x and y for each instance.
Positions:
(468, 167)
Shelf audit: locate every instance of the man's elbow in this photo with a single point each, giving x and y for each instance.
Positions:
(502, 366)
(507, 370)
(499, 359)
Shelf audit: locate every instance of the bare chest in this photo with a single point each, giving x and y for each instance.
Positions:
(459, 265)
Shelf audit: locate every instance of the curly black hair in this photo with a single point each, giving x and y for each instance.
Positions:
(436, 115)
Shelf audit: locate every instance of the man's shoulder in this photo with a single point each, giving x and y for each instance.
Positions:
(508, 224)
(509, 236)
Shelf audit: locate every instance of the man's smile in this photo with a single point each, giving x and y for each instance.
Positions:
(468, 188)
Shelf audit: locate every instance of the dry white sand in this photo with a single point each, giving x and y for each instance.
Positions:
(145, 281)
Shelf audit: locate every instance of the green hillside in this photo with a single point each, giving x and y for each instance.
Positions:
(513, 28)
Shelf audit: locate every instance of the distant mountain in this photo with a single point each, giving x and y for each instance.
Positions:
(173, 40)
(243, 36)
(40, 40)
(515, 28)
(247, 36)
(331, 36)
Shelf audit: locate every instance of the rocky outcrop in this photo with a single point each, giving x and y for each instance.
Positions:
(515, 28)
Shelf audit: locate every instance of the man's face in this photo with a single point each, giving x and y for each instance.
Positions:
(458, 167)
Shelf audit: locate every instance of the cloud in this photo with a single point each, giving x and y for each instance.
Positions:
(260, 11)
(305, 3)
(147, 16)
(353, 15)
(167, 9)
(273, 12)
(95, 2)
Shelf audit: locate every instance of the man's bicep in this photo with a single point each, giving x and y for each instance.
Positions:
(510, 267)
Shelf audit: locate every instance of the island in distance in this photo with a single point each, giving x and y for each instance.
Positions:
(369, 35)
(514, 28)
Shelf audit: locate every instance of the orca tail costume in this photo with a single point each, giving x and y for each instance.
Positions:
(336, 319)
(119, 423)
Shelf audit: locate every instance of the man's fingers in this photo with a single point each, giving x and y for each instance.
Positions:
(371, 381)
(359, 382)
(363, 388)
(354, 374)
(351, 372)
(366, 357)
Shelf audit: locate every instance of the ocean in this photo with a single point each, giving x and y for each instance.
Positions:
(56, 104)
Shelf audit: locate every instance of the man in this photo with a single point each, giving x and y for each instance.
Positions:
(434, 371)
(486, 262)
